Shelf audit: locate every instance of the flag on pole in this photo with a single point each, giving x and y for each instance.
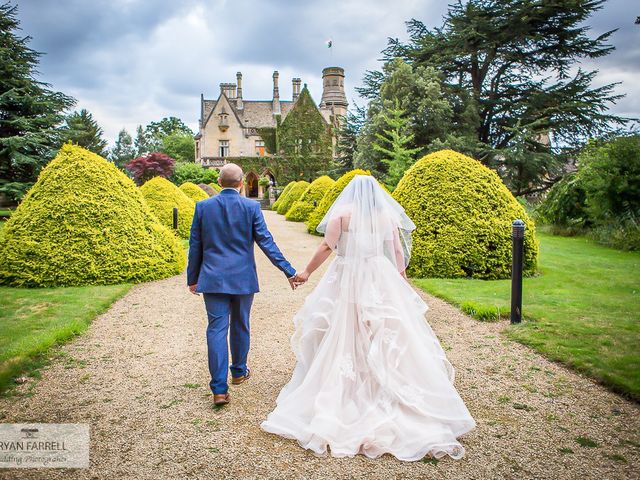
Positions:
(329, 43)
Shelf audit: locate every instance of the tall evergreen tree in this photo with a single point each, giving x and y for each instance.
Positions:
(394, 143)
(123, 150)
(82, 129)
(141, 143)
(516, 60)
(29, 111)
(347, 142)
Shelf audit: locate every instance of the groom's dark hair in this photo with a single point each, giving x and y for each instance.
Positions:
(230, 175)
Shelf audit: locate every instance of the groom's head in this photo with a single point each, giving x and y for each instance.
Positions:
(230, 176)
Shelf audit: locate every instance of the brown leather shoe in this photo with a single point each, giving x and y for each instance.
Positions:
(221, 398)
(239, 380)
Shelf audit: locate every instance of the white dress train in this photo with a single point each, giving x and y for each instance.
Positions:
(371, 377)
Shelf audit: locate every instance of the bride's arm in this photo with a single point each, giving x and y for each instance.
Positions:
(329, 242)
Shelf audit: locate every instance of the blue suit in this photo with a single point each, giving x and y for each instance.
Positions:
(222, 264)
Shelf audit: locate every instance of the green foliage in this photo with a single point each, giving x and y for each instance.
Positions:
(29, 137)
(325, 204)
(194, 192)
(294, 194)
(216, 186)
(509, 75)
(156, 132)
(282, 196)
(85, 223)
(304, 139)
(82, 129)
(179, 145)
(141, 142)
(302, 208)
(564, 205)
(347, 140)
(393, 144)
(269, 136)
(123, 150)
(194, 173)
(581, 311)
(162, 196)
(484, 313)
(463, 214)
(610, 176)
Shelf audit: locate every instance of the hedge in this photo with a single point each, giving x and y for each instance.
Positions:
(323, 207)
(162, 196)
(294, 194)
(301, 209)
(216, 187)
(463, 214)
(282, 196)
(84, 222)
(194, 192)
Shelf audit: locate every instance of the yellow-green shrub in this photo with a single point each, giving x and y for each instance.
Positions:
(216, 187)
(463, 214)
(85, 223)
(301, 209)
(162, 196)
(193, 191)
(282, 196)
(208, 189)
(294, 194)
(325, 204)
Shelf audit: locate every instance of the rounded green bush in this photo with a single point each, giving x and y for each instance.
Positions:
(193, 191)
(325, 204)
(294, 194)
(301, 209)
(216, 187)
(162, 196)
(84, 222)
(282, 196)
(463, 214)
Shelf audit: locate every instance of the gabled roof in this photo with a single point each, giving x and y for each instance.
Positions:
(254, 114)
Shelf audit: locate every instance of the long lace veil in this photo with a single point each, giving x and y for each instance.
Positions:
(373, 222)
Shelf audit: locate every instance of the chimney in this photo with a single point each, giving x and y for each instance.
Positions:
(296, 88)
(229, 89)
(276, 94)
(239, 104)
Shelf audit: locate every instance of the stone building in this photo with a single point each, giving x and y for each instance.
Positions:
(229, 125)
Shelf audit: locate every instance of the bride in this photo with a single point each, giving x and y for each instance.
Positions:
(371, 377)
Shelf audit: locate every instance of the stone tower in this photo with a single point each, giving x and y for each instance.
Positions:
(334, 101)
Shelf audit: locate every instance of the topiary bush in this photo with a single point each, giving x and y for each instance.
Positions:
(216, 187)
(162, 196)
(323, 206)
(282, 196)
(193, 191)
(301, 209)
(294, 194)
(463, 214)
(84, 222)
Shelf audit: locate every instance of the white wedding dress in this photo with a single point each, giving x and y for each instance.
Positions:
(371, 377)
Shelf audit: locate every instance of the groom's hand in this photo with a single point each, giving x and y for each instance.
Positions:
(292, 282)
(192, 289)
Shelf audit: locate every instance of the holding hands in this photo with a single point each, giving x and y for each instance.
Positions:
(299, 279)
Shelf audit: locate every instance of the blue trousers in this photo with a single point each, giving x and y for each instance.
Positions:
(224, 311)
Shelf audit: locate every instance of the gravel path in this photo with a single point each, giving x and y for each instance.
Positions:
(139, 378)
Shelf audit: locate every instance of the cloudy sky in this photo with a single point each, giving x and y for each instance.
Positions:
(134, 61)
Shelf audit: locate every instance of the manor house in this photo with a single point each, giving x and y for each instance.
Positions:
(228, 127)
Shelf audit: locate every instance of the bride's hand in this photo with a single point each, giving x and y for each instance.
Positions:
(302, 277)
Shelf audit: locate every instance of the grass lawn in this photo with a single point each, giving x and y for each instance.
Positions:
(33, 320)
(582, 310)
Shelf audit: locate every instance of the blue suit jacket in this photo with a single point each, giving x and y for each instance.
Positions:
(223, 232)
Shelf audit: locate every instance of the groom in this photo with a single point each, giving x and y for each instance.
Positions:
(222, 267)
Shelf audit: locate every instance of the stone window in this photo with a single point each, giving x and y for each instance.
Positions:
(224, 148)
(260, 152)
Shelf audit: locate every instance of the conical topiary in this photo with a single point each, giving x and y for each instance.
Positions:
(193, 191)
(463, 214)
(282, 196)
(162, 196)
(325, 204)
(294, 194)
(301, 209)
(85, 223)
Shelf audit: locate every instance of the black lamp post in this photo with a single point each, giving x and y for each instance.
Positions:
(517, 237)
(175, 218)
